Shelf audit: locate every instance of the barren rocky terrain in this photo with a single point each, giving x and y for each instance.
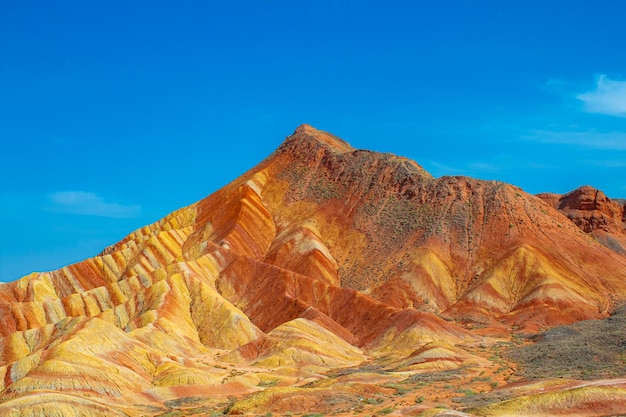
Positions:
(334, 281)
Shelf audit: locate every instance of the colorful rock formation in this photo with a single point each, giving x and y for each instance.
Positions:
(595, 213)
(320, 259)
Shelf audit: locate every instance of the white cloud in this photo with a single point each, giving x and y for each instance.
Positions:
(484, 166)
(463, 168)
(438, 169)
(609, 97)
(615, 141)
(90, 204)
(605, 163)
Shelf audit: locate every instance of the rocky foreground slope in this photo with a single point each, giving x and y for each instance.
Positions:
(324, 280)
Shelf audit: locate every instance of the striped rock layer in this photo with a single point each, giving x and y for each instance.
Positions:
(321, 257)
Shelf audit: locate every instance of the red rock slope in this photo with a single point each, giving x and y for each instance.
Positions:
(321, 257)
(596, 214)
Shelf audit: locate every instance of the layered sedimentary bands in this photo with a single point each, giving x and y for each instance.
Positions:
(325, 280)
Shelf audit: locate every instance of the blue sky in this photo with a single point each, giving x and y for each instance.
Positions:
(113, 114)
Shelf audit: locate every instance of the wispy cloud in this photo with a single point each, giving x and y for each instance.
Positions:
(605, 163)
(615, 141)
(609, 97)
(464, 168)
(484, 166)
(438, 169)
(90, 204)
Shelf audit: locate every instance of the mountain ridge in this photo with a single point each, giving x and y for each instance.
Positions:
(321, 257)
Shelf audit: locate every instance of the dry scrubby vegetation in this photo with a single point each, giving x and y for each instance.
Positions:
(585, 350)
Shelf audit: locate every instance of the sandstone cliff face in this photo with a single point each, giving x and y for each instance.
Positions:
(594, 213)
(322, 257)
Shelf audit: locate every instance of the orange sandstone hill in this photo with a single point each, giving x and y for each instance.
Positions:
(324, 280)
(595, 213)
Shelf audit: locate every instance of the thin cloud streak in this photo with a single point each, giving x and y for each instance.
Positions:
(90, 204)
(484, 166)
(615, 141)
(609, 97)
(605, 163)
(438, 169)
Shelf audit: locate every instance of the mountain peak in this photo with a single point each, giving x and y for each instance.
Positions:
(304, 127)
(306, 137)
